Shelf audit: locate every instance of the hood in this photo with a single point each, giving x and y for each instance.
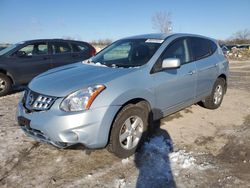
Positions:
(64, 80)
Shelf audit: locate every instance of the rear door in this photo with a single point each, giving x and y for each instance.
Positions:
(175, 87)
(81, 51)
(207, 64)
(61, 53)
(29, 61)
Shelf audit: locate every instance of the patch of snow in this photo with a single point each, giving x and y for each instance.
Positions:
(158, 164)
(90, 175)
(89, 62)
(59, 159)
(182, 159)
(121, 183)
(125, 161)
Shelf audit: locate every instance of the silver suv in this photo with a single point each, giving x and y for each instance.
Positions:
(110, 99)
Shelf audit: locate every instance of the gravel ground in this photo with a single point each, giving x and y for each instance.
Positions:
(195, 147)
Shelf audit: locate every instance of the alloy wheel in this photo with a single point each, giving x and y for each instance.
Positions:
(131, 132)
(218, 93)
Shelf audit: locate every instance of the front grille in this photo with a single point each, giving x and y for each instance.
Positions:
(37, 102)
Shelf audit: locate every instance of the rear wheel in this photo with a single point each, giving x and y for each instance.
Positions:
(129, 130)
(5, 84)
(214, 100)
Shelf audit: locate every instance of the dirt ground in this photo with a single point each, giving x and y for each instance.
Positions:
(195, 147)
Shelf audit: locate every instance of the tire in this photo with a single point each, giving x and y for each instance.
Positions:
(5, 84)
(124, 139)
(215, 99)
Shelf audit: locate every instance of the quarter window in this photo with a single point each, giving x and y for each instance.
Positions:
(78, 47)
(213, 46)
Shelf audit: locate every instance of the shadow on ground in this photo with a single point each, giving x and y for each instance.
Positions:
(153, 162)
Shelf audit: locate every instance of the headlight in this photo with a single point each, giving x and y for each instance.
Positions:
(81, 99)
(24, 96)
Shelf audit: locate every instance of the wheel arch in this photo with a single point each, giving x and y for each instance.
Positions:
(8, 75)
(132, 101)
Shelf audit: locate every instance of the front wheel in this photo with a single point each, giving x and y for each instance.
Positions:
(215, 99)
(129, 130)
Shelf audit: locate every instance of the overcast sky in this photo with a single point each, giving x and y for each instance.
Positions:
(95, 19)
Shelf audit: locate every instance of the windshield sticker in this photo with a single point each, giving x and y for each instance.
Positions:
(154, 41)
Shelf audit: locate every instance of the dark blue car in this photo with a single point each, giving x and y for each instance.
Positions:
(21, 62)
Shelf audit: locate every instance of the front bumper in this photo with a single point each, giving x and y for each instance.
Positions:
(90, 128)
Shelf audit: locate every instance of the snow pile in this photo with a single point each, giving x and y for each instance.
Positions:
(89, 62)
(157, 162)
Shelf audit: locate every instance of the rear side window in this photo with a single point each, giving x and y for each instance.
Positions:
(60, 48)
(201, 47)
(79, 47)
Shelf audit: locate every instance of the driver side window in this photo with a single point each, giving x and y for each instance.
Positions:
(33, 49)
(179, 50)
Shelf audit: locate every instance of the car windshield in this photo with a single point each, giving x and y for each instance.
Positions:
(4, 51)
(127, 53)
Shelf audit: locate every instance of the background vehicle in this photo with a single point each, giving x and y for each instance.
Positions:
(23, 61)
(1, 48)
(112, 98)
(225, 49)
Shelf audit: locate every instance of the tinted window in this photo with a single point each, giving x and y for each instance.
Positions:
(201, 48)
(60, 47)
(35, 49)
(78, 47)
(178, 49)
(213, 46)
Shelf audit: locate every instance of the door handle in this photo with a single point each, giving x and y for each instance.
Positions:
(191, 72)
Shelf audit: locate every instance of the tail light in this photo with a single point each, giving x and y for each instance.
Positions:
(93, 51)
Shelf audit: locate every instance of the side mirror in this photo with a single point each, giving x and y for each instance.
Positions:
(171, 63)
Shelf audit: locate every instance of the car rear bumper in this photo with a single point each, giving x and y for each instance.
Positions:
(62, 129)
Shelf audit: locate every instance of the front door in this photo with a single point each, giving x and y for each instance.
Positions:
(175, 87)
(30, 60)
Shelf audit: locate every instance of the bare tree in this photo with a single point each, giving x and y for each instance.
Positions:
(162, 22)
(101, 42)
(242, 36)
